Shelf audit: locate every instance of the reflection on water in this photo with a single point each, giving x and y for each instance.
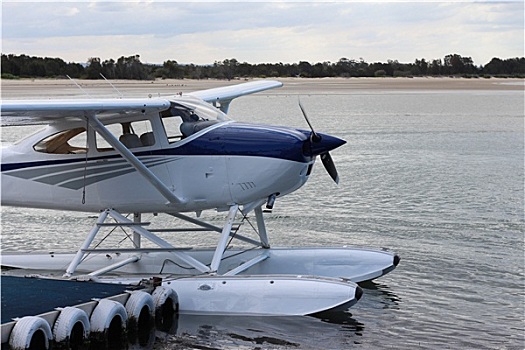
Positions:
(233, 332)
(379, 292)
(345, 319)
(328, 330)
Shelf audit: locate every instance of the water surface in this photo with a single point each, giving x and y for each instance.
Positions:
(435, 176)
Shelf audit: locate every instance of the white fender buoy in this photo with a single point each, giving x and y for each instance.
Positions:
(141, 311)
(108, 324)
(136, 303)
(166, 303)
(71, 327)
(30, 332)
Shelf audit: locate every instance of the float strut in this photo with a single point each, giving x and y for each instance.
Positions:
(261, 228)
(87, 242)
(137, 217)
(114, 266)
(221, 246)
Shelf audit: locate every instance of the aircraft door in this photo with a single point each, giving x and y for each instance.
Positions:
(124, 186)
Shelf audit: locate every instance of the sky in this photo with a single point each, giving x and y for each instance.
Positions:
(264, 32)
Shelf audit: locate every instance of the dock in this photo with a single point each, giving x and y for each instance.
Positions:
(44, 312)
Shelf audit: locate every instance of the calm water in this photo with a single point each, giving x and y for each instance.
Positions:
(436, 177)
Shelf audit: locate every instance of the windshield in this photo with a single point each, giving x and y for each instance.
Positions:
(187, 117)
(203, 110)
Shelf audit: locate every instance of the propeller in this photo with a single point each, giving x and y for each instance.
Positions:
(326, 158)
(314, 136)
(329, 165)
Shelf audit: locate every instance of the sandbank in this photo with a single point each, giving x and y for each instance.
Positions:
(63, 88)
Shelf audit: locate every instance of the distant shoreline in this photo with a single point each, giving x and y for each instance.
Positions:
(54, 88)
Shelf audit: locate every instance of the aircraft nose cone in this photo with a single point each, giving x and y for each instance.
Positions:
(326, 143)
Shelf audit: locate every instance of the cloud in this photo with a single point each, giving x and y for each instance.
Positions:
(256, 32)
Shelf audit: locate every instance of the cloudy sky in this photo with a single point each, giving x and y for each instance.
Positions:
(264, 32)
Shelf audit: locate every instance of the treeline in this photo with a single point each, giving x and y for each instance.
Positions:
(22, 66)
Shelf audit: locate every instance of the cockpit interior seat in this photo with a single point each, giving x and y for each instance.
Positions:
(147, 139)
(130, 140)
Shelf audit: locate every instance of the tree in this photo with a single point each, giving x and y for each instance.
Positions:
(511, 66)
(386, 67)
(109, 69)
(54, 67)
(305, 69)
(230, 68)
(436, 68)
(132, 68)
(74, 70)
(171, 69)
(456, 64)
(421, 67)
(94, 68)
(10, 65)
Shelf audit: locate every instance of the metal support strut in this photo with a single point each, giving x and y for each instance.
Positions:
(87, 242)
(223, 240)
(139, 231)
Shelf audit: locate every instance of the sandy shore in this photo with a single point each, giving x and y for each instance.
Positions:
(53, 88)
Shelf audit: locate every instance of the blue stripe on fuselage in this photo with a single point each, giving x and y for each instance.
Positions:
(237, 139)
(232, 139)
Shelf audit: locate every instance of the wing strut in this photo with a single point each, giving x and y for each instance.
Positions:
(134, 161)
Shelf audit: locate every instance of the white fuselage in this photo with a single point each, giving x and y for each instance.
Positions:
(214, 182)
(103, 179)
(181, 159)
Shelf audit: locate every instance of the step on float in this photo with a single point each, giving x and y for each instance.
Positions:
(124, 317)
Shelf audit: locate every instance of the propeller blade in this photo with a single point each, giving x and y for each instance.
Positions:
(329, 165)
(315, 137)
(326, 158)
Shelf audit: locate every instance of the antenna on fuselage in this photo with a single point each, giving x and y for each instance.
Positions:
(113, 86)
(78, 86)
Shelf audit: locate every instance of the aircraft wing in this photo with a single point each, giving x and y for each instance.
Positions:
(224, 95)
(25, 112)
(28, 112)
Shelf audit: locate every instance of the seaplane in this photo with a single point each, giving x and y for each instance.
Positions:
(177, 157)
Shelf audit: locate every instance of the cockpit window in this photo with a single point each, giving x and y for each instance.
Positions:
(203, 109)
(132, 135)
(185, 119)
(172, 125)
(71, 141)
